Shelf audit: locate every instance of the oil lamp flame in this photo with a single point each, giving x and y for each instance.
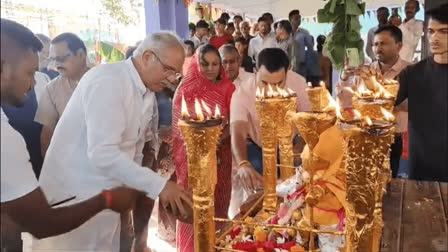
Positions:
(357, 114)
(207, 109)
(184, 109)
(198, 111)
(368, 121)
(387, 115)
(322, 84)
(217, 112)
(290, 92)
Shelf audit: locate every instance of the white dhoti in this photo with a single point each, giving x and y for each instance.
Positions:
(99, 234)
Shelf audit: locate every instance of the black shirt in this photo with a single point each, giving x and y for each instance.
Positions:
(425, 86)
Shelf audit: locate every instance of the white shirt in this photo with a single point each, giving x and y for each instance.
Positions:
(41, 81)
(17, 176)
(369, 44)
(257, 44)
(412, 32)
(99, 139)
(243, 76)
(197, 42)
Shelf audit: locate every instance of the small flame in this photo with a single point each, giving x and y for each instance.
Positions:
(362, 90)
(184, 110)
(290, 91)
(368, 120)
(338, 108)
(387, 115)
(258, 93)
(382, 92)
(198, 110)
(322, 84)
(217, 112)
(270, 92)
(310, 85)
(262, 93)
(357, 114)
(282, 92)
(207, 109)
(331, 103)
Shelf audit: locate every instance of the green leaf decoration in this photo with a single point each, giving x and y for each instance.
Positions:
(346, 32)
(110, 53)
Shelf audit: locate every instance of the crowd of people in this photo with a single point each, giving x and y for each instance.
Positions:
(85, 152)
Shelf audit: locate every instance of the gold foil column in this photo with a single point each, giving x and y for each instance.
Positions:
(267, 112)
(365, 151)
(285, 132)
(201, 144)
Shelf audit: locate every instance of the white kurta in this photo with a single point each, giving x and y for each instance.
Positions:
(97, 144)
(412, 33)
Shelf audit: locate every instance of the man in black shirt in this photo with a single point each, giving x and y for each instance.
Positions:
(423, 93)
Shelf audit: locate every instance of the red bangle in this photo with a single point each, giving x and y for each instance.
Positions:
(107, 197)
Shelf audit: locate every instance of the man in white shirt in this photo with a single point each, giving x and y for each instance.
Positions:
(231, 61)
(24, 206)
(412, 30)
(382, 15)
(200, 36)
(100, 138)
(69, 53)
(264, 39)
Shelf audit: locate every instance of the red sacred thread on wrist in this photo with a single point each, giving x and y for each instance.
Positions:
(107, 197)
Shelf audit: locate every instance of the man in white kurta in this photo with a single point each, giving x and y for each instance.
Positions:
(99, 139)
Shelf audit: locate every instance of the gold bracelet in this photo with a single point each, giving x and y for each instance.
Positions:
(244, 163)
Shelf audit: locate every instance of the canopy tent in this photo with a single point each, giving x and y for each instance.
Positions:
(281, 8)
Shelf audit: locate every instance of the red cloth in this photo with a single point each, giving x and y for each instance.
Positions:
(196, 85)
(217, 42)
(405, 154)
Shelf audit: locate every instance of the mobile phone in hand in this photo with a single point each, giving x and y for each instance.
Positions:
(353, 57)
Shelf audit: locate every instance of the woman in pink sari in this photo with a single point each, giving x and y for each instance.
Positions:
(206, 81)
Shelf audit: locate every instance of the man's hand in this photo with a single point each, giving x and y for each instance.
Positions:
(176, 200)
(249, 178)
(348, 70)
(123, 199)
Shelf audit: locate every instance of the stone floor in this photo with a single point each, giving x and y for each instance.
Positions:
(154, 242)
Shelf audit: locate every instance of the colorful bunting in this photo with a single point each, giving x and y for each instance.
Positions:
(368, 13)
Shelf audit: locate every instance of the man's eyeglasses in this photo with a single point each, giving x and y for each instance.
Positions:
(59, 59)
(171, 75)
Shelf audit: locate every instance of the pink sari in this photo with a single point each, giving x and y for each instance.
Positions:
(196, 85)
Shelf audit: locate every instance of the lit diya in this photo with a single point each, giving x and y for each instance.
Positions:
(201, 134)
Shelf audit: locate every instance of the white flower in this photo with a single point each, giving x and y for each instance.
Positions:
(280, 240)
(247, 238)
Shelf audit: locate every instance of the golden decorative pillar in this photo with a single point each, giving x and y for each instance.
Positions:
(276, 131)
(201, 140)
(366, 151)
(285, 133)
(267, 112)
